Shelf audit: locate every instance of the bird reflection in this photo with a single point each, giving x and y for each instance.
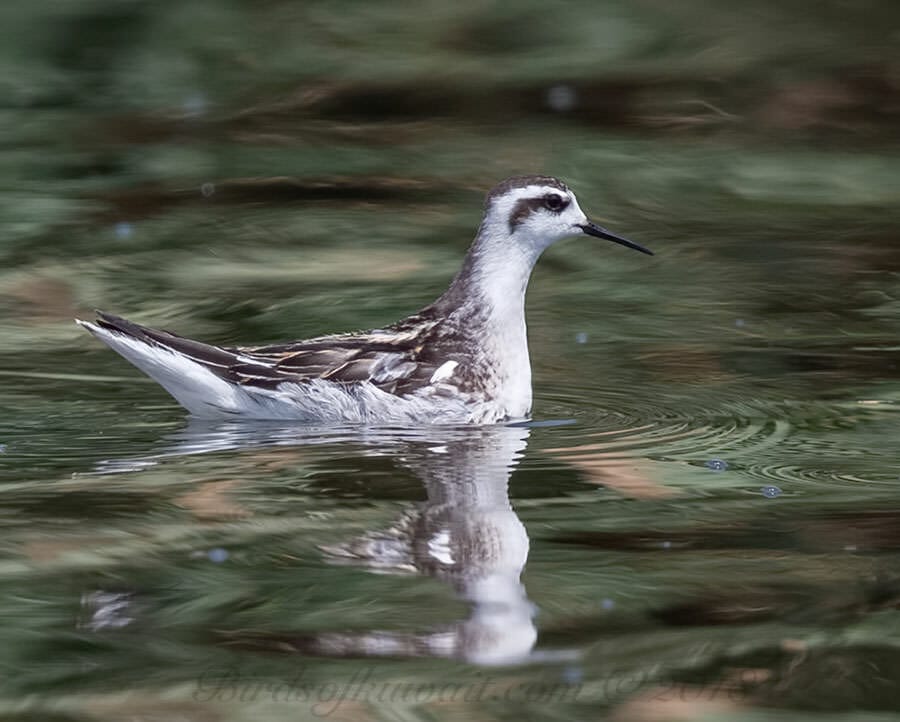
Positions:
(465, 534)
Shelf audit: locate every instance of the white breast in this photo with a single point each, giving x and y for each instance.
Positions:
(508, 346)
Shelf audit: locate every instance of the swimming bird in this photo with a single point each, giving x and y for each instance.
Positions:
(462, 359)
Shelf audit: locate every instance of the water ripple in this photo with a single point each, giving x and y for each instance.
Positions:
(777, 442)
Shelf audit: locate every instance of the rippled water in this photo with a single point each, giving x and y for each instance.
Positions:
(701, 521)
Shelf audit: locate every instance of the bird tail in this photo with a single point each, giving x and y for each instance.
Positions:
(183, 367)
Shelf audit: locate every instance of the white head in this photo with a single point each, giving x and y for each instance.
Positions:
(522, 216)
(536, 211)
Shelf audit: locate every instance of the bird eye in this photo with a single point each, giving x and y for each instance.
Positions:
(554, 202)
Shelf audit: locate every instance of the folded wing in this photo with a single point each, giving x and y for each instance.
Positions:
(398, 360)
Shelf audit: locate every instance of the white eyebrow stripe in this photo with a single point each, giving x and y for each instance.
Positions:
(443, 372)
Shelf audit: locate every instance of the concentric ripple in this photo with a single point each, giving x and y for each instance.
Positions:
(777, 442)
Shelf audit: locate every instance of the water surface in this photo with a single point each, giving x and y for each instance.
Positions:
(700, 523)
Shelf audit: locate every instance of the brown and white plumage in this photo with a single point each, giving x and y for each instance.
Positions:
(463, 359)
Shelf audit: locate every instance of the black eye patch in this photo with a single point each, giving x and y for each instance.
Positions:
(524, 207)
(554, 202)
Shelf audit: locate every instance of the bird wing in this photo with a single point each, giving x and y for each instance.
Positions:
(398, 360)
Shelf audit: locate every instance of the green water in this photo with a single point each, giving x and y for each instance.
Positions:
(702, 522)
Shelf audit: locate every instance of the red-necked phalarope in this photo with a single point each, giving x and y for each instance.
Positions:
(463, 359)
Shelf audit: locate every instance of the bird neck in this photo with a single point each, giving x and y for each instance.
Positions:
(486, 304)
(492, 281)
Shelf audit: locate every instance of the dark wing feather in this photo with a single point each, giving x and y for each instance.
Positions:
(399, 360)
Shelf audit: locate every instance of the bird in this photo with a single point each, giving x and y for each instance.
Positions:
(463, 359)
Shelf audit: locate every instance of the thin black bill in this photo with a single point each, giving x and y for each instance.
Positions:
(592, 229)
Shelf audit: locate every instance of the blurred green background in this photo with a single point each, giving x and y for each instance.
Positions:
(256, 171)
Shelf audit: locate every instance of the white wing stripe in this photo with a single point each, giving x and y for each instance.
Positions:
(443, 372)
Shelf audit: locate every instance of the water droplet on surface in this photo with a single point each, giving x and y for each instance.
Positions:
(123, 229)
(3, 448)
(666, 545)
(562, 98)
(217, 555)
(572, 675)
(716, 464)
(207, 189)
(581, 337)
(194, 104)
(739, 323)
(770, 492)
(607, 604)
